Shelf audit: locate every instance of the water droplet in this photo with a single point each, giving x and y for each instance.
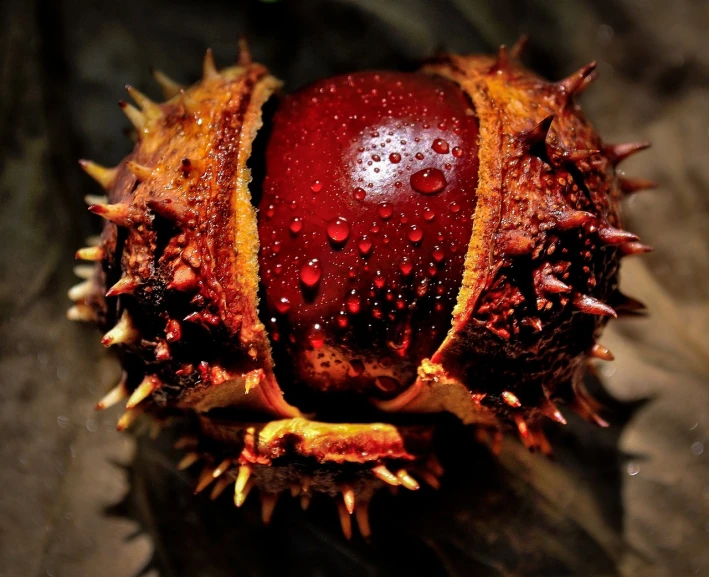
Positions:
(376, 311)
(270, 211)
(455, 207)
(376, 157)
(428, 181)
(359, 194)
(316, 186)
(440, 146)
(406, 266)
(419, 156)
(342, 320)
(385, 210)
(429, 214)
(296, 225)
(438, 254)
(310, 273)
(395, 158)
(365, 245)
(338, 230)
(353, 302)
(379, 280)
(316, 336)
(283, 305)
(415, 234)
(457, 151)
(422, 288)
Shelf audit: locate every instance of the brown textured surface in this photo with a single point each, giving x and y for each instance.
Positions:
(582, 515)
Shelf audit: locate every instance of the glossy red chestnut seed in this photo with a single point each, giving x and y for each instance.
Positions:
(364, 224)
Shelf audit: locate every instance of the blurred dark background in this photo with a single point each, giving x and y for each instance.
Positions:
(78, 499)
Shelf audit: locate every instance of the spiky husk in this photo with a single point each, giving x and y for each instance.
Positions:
(175, 286)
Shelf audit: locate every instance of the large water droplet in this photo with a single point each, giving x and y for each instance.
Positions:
(364, 245)
(457, 151)
(316, 336)
(415, 234)
(429, 214)
(338, 230)
(359, 194)
(296, 225)
(428, 181)
(385, 210)
(353, 302)
(440, 146)
(283, 305)
(395, 158)
(438, 254)
(310, 273)
(406, 266)
(316, 186)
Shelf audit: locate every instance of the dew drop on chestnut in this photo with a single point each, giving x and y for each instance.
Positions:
(385, 210)
(440, 146)
(310, 273)
(338, 230)
(428, 181)
(296, 225)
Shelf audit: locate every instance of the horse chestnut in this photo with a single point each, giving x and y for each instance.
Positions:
(367, 209)
(440, 241)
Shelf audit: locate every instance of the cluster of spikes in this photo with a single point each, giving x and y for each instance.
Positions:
(231, 470)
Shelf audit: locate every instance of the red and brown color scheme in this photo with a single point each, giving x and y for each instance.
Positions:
(446, 241)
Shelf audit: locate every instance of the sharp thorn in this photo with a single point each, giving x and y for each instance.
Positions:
(205, 478)
(384, 474)
(81, 291)
(168, 86)
(244, 52)
(141, 172)
(146, 105)
(146, 387)
(612, 235)
(80, 312)
(114, 396)
(625, 304)
(190, 104)
(600, 352)
(90, 253)
(552, 411)
(575, 83)
(119, 213)
(345, 520)
(124, 286)
(268, 504)
(84, 271)
(632, 248)
(550, 284)
(136, 117)
(186, 442)
(128, 418)
(240, 496)
(511, 399)
(502, 62)
(518, 48)
(104, 176)
(521, 425)
(219, 487)
(407, 480)
(617, 153)
(537, 136)
(222, 467)
(174, 211)
(124, 332)
(631, 185)
(209, 69)
(362, 517)
(573, 219)
(187, 461)
(242, 478)
(588, 304)
(534, 322)
(348, 498)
